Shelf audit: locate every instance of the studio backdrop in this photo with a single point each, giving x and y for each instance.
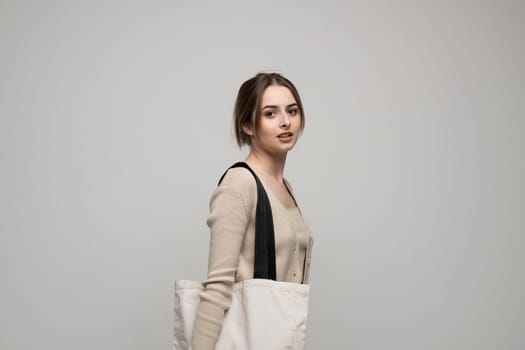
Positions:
(115, 126)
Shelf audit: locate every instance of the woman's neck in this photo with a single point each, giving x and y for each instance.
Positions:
(267, 165)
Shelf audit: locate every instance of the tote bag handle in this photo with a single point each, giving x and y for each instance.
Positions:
(264, 261)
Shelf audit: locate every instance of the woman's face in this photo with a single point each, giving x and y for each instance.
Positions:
(279, 121)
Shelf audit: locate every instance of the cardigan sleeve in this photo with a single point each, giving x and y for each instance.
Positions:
(228, 221)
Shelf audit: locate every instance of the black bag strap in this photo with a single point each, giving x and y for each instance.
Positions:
(264, 260)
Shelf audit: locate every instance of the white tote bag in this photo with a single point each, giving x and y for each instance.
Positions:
(264, 314)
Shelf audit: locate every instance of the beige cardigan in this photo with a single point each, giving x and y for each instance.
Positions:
(232, 226)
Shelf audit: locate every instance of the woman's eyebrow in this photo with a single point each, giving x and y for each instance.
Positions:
(275, 106)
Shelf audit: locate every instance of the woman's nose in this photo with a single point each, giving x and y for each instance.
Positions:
(285, 121)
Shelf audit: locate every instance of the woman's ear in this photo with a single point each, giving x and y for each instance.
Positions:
(247, 129)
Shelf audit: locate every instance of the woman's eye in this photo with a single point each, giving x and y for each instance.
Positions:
(293, 111)
(269, 114)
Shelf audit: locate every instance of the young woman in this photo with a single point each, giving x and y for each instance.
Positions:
(269, 118)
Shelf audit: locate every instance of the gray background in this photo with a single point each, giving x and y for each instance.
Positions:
(115, 127)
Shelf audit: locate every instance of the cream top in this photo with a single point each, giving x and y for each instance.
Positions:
(231, 256)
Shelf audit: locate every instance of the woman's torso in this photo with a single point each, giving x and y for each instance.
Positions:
(293, 238)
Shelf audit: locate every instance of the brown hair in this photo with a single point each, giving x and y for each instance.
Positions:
(249, 99)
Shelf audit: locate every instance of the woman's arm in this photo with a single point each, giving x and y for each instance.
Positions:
(228, 220)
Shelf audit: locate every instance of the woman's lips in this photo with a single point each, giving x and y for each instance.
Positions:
(285, 137)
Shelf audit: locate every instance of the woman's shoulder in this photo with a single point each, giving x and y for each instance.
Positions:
(242, 181)
(238, 177)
